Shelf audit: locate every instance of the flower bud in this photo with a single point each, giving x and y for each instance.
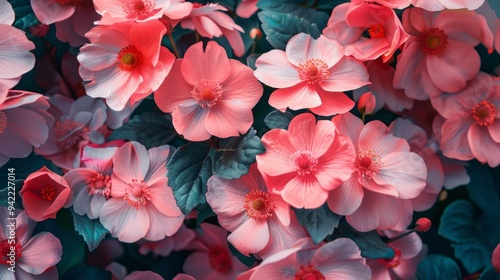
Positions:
(366, 103)
(423, 224)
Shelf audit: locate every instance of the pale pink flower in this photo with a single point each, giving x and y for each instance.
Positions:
(471, 124)
(385, 172)
(338, 259)
(386, 96)
(495, 258)
(35, 256)
(385, 32)
(142, 275)
(175, 12)
(311, 73)
(440, 56)
(118, 271)
(408, 252)
(306, 162)
(438, 5)
(394, 4)
(142, 204)
(73, 29)
(124, 62)
(215, 97)
(261, 222)
(114, 11)
(167, 245)
(182, 276)
(210, 21)
(246, 8)
(212, 258)
(15, 56)
(50, 11)
(24, 122)
(77, 124)
(493, 23)
(91, 185)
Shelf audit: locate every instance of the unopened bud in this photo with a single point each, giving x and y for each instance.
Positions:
(423, 224)
(255, 34)
(366, 103)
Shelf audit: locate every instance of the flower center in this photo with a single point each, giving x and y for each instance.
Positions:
(313, 71)
(136, 8)
(304, 162)
(206, 92)
(69, 134)
(377, 31)
(3, 121)
(484, 113)
(308, 273)
(259, 204)
(391, 263)
(368, 163)
(129, 58)
(48, 193)
(100, 184)
(137, 193)
(435, 41)
(67, 2)
(7, 254)
(197, 5)
(219, 259)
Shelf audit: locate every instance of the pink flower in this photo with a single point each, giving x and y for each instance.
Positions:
(24, 122)
(209, 21)
(182, 276)
(312, 74)
(408, 252)
(142, 204)
(15, 56)
(212, 258)
(91, 185)
(124, 62)
(381, 76)
(261, 222)
(73, 29)
(493, 22)
(440, 55)
(166, 246)
(385, 172)
(35, 256)
(77, 124)
(394, 4)
(114, 11)
(338, 259)
(306, 162)
(438, 5)
(50, 11)
(175, 12)
(471, 127)
(246, 8)
(212, 98)
(495, 258)
(141, 275)
(44, 193)
(385, 31)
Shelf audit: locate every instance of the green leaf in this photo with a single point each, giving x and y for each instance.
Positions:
(317, 17)
(188, 172)
(495, 5)
(319, 222)
(149, 129)
(458, 222)
(278, 119)
(474, 255)
(236, 154)
(93, 231)
(248, 261)
(279, 27)
(25, 18)
(438, 267)
(370, 243)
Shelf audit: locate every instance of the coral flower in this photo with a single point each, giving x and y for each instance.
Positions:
(44, 193)
(438, 5)
(306, 162)
(247, 8)
(212, 258)
(24, 122)
(210, 21)
(15, 56)
(142, 204)
(124, 62)
(215, 97)
(264, 223)
(339, 259)
(434, 58)
(471, 127)
(311, 73)
(113, 11)
(385, 32)
(35, 256)
(385, 171)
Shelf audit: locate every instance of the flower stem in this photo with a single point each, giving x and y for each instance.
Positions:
(174, 47)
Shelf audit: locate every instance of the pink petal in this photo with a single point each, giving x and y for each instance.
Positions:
(409, 245)
(174, 90)
(347, 74)
(303, 47)
(7, 14)
(454, 143)
(349, 125)
(281, 237)
(274, 70)
(332, 103)
(228, 118)
(124, 221)
(189, 120)
(161, 225)
(300, 96)
(276, 160)
(305, 134)
(382, 210)
(482, 146)
(235, 41)
(131, 161)
(216, 66)
(242, 85)
(50, 11)
(345, 199)
(337, 164)
(375, 136)
(304, 192)
(15, 58)
(41, 252)
(494, 130)
(250, 237)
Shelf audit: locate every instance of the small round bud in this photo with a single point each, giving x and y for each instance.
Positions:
(255, 34)
(423, 224)
(366, 103)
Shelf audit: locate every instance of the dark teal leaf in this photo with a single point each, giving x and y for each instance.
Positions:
(149, 129)
(278, 119)
(248, 261)
(484, 187)
(236, 154)
(204, 212)
(25, 18)
(279, 27)
(319, 222)
(490, 274)
(495, 5)
(310, 15)
(328, 4)
(85, 272)
(370, 243)
(458, 222)
(92, 231)
(474, 255)
(438, 267)
(188, 172)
